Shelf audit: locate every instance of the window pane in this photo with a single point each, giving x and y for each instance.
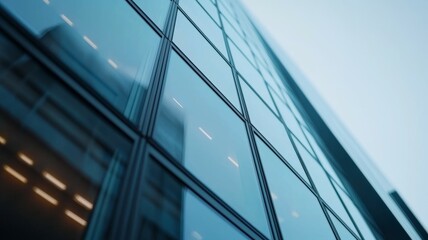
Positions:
(205, 23)
(205, 58)
(324, 185)
(209, 139)
(171, 211)
(157, 10)
(341, 229)
(250, 74)
(79, 32)
(357, 216)
(61, 162)
(272, 129)
(209, 6)
(298, 211)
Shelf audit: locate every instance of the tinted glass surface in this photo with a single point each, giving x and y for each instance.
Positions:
(157, 10)
(205, 23)
(324, 185)
(272, 129)
(209, 139)
(212, 65)
(61, 162)
(341, 229)
(170, 211)
(298, 211)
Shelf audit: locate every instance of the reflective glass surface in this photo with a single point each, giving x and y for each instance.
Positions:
(250, 74)
(272, 129)
(209, 139)
(298, 211)
(171, 211)
(205, 23)
(211, 64)
(61, 162)
(157, 10)
(209, 6)
(324, 185)
(357, 216)
(113, 53)
(343, 232)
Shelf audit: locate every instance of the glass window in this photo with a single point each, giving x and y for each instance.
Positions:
(205, 58)
(205, 23)
(112, 53)
(357, 216)
(291, 122)
(343, 232)
(209, 6)
(250, 74)
(157, 10)
(298, 211)
(271, 127)
(323, 159)
(238, 40)
(324, 185)
(171, 211)
(209, 139)
(60, 162)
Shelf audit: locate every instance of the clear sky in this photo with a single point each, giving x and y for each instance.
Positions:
(369, 61)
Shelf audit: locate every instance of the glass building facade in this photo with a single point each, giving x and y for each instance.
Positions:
(165, 119)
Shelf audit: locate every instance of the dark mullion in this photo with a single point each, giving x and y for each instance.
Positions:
(269, 208)
(200, 189)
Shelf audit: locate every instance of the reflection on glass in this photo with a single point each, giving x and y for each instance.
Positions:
(324, 185)
(205, 58)
(61, 163)
(171, 211)
(357, 216)
(112, 53)
(343, 232)
(298, 211)
(272, 129)
(157, 10)
(205, 23)
(209, 139)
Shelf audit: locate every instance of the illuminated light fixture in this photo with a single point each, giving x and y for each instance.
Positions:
(14, 173)
(47, 2)
(75, 217)
(82, 201)
(295, 214)
(67, 20)
(26, 159)
(178, 103)
(89, 41)
(274, 196)
(205, 133)
(54, 181)
(45, 196)
(2, 140)
(112, 63)
(196, 235)
(233, 161)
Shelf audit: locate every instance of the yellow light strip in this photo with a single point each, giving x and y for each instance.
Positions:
(26, 159)
(14, 173)
(45, 196)
(82, 201)
(76, 218)
(54, 181)
(2, 140)
(233, 161)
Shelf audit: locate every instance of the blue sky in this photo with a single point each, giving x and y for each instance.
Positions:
(369, 61)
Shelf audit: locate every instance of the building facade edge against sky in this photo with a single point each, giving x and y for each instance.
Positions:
(335, 124)
(133, 133)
